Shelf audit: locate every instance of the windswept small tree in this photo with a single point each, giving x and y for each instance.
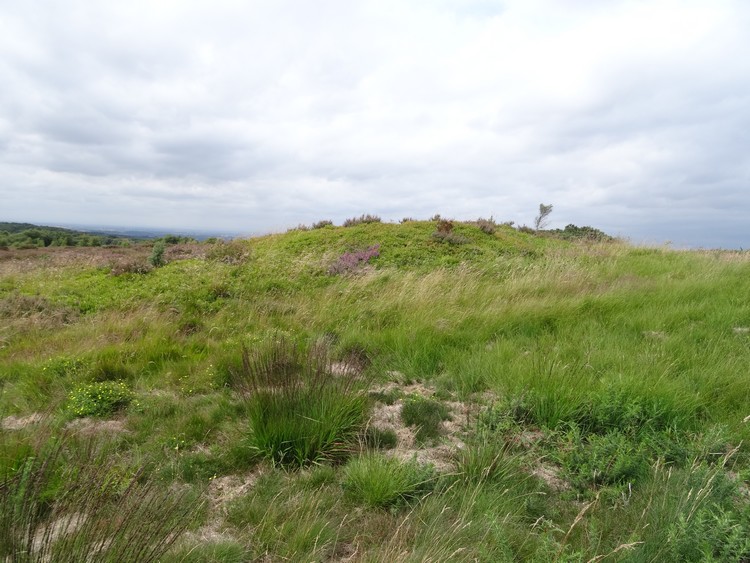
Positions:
(541, 220)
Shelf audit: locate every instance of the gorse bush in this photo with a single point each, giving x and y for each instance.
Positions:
(573, 232)
(156, 258)
(99, 399)
(300, 412)
(611, 459)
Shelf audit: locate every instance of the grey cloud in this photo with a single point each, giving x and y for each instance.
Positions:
(274, 113)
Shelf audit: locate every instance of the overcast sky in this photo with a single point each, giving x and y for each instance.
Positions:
(253, 116)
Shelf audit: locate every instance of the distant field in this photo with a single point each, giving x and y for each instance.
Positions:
(378, 392)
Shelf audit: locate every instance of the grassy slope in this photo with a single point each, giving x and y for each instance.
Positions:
(627, 365)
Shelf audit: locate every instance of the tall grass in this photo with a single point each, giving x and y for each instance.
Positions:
(58, 507)
(299, 411)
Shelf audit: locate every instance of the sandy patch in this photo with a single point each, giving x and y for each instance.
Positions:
(91, 426)
(223, 490)
(551, 476)
(20, 422)
(442, 454)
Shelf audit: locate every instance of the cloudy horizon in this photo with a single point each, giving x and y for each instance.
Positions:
(629, 116)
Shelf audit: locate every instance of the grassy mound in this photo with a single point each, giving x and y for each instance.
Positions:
(443, 391)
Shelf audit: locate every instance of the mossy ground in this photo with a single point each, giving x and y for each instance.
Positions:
(606, 386)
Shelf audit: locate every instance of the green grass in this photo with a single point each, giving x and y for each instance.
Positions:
(620, 371)
(381, 482)
(300, 412)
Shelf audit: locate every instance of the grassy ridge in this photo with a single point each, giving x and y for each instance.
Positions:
(600, 384)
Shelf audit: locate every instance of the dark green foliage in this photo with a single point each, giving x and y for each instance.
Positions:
(610, 459)
(157, 254)
(322, 224)
(573, 232)
(176, 239)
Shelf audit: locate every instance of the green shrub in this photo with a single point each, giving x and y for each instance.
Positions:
(157, 254)
(99, 399)
(611, 459)
(322, 224)
(299, 412)
(381, 482)
(426, 415)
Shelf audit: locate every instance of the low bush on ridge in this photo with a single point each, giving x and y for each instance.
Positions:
(362, 220)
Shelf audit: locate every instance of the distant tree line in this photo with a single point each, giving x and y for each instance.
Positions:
(26, 235)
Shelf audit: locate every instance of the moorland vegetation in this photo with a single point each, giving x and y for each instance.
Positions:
(425, 391)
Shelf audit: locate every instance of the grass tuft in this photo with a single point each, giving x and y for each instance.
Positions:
(300, 413)
(381, 482)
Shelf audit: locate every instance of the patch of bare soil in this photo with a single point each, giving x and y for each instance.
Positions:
(221, 491)
(440, 455)
(551, 476)
(20, 422)
(57, 529)
(92, 426)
